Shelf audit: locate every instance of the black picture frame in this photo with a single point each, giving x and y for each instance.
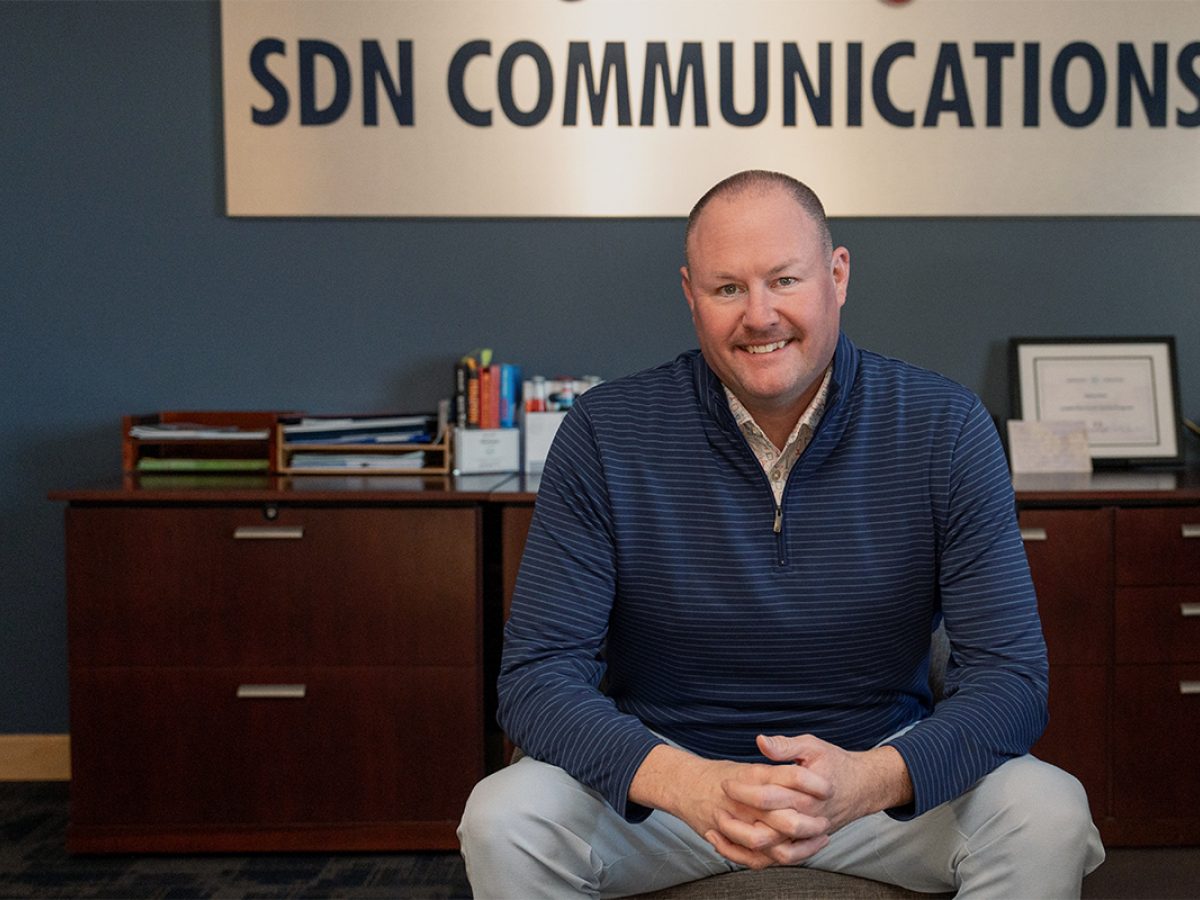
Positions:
(1125, 389)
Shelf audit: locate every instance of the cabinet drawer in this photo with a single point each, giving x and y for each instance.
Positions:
(1158, 625)
(1070, 559)
(177, 746)
(1156, 728)
(1158, 546)
(227, 586)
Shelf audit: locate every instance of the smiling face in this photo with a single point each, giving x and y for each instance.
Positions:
(766, 299)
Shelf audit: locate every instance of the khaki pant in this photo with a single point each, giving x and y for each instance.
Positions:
(1024, 831)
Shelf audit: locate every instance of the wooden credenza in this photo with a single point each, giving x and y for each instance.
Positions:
(1116, 562)
(309, 663)
(289, 667)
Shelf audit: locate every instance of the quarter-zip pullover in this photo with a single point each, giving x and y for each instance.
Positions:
(659, 564)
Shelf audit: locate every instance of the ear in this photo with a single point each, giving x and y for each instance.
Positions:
(686, 284)
(840, 272)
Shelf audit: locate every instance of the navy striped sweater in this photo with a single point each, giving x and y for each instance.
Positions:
(658, 562)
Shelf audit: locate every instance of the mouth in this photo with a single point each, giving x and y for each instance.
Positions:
(766, 348)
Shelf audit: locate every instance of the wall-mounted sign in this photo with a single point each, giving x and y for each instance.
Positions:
(615, 108)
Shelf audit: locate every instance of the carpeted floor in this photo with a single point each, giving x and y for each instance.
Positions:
(35, 864)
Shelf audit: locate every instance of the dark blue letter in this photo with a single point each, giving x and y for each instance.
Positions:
(879, 84)
(481, 118)
(375, 69)
(995, 54)
(579, 57)
(820, 102)
(545, 83)
(1154, 101)
(1058, 84)
(854, 84)
(1191, 80)
(1033, 77)
(728, 111)
(949, 63)
(309, 114)
(273, 86)
(690, 58)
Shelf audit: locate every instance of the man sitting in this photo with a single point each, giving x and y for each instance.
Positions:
(751, 546)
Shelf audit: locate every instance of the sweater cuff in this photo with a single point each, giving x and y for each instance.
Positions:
(915, 753)
(623, 779)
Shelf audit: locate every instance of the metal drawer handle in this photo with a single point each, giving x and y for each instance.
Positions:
(268, 533)
(1190, 531)
(1189, 687)
(1034, 534)
(1189, 609)
(271, 691)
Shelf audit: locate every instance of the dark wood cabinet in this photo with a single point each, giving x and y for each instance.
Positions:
(183, 751)
(274, 674)
(1070, 556)
(1117, 572)
(1156, 792)
(311, 665)
(1156, 711)
(515, 523)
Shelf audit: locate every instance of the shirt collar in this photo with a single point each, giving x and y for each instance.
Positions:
(811, 417)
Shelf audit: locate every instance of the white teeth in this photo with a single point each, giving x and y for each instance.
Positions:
(765, 348)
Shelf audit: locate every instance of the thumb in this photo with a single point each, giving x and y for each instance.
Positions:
(781, 748)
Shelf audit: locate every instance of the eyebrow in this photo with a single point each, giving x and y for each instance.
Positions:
(782, 267)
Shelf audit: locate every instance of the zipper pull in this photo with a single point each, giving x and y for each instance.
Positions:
(778, 520)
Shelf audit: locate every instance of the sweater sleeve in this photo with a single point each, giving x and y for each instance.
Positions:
(997, 678)
(550, 702)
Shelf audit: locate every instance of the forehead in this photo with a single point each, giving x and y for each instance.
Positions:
(751, 227)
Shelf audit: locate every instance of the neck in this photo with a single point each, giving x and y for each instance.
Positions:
(777, 427)
(778, 422)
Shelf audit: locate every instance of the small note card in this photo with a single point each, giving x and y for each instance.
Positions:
(1048, 446)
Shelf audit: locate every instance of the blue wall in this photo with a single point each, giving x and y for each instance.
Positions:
(124, 288)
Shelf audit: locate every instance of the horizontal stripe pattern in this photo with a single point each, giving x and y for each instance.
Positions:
(652, 565)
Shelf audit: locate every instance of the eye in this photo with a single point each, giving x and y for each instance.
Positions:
(786, 281)
(727, 290)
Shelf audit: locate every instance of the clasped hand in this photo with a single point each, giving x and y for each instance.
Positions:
(760, 815)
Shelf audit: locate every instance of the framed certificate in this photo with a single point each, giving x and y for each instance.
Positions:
(1125, 390)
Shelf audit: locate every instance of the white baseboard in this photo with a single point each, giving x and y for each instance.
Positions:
(35, 757)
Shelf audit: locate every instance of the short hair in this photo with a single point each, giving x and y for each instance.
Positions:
(762, 180)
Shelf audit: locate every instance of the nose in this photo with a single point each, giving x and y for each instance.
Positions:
(759, 313)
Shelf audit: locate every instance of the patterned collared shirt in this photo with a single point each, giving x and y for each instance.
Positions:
(776, 463)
